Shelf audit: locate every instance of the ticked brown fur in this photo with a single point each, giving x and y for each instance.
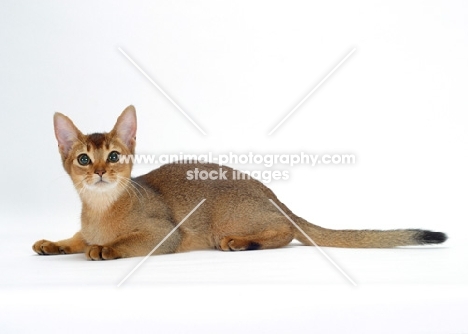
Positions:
(125, 217)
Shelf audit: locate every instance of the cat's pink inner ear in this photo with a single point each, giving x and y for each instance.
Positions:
(126, 126)
(65, 132)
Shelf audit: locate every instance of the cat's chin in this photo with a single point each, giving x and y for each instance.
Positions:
(101, 186)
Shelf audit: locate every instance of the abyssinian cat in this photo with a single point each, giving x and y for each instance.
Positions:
(124, 217)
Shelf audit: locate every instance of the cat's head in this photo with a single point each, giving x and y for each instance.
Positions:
(92, 161)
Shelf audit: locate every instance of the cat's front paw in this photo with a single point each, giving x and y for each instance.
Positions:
(46, 247)
(97, 253)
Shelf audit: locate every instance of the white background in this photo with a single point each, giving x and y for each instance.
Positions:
(237, 68)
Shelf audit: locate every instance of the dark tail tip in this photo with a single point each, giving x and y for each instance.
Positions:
(429, 237)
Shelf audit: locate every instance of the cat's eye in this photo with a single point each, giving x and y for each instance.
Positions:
(83, 159)
(113, 156)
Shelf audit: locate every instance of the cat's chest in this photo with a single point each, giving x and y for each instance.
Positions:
(99, 230)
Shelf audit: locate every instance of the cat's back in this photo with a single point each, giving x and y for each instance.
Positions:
(200, 180)
(183, 176)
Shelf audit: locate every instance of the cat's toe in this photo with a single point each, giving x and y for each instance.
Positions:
(37, 247)
(94, 253)
(237, 244)
(232, 244)
(224, 244)
(108, 253)
(98, 253)
(45, 247)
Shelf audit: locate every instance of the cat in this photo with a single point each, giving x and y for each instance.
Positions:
(125, 217)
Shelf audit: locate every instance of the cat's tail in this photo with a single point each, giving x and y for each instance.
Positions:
(363, 238)
(311, 235)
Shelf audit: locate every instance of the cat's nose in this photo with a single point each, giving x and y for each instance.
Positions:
(100, 172)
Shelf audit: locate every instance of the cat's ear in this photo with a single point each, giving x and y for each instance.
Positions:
(126, 127)
(66, 133)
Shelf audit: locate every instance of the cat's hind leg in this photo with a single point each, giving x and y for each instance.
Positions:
(275, 233)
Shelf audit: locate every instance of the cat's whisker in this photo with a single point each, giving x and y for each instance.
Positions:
(134, 185)
(129, 187)
(124, 186)
(82, 189)
(135, 190)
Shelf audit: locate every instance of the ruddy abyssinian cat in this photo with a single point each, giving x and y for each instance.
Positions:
(124, 217)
